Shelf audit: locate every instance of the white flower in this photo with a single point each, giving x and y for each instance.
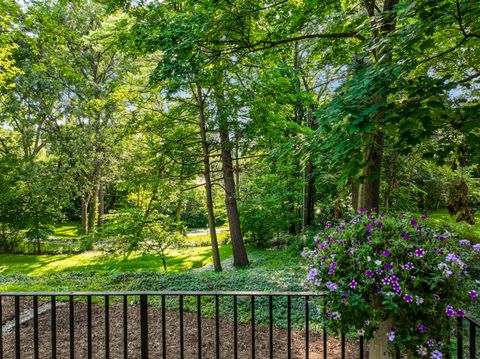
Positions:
(361, 332)
(418, 300)
(369, 259)
(378, 262)
(421, 350)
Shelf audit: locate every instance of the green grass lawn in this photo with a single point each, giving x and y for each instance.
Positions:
(68, 230)
(178, 260)
(464, 230)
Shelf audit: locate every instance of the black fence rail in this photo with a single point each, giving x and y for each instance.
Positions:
(180, 325)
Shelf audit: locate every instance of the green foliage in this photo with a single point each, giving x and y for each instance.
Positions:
(376, 268)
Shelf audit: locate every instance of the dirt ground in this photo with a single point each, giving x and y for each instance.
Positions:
(116, 344)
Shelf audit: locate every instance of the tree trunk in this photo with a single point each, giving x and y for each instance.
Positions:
(369, 190)
(355, 194)
(101, 204)
(377, 347)
(308, 195)
(84, 215)
(240, 258)
(93, 211)
(217, 264)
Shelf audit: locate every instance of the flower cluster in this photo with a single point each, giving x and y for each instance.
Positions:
(378, 267)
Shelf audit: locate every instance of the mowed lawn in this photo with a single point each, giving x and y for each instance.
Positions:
(177, 260)
(464, 230)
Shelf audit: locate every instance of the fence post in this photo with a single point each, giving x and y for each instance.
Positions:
(144, 325)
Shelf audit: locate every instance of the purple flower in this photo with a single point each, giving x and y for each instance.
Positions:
(397, 288)
(331, 271)
(343, 300)
(406, 237)
(423, 217)
(436, 354)
(386, 253)
(333, 265)
(368, 228)
(452, 257)
(380, 225)
(460, 313)
(328, 225)
(413, 221)
(473, 294)
(408, 298)
(312, 274)
(449, 311)
(441, 238)
(379, 271)
(476, 247)
(419, 252)
(353, 284)
(391, 335)
(388, 266)
(332, 286)
(431, 342)
(422, 328)
(368, 273)
(408, 266)
(464, 242)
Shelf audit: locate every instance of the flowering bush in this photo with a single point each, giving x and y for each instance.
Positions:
(379, 267)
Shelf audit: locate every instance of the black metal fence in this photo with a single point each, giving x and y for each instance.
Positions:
(180, 325)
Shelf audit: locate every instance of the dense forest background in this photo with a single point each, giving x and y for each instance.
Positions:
(144, 120)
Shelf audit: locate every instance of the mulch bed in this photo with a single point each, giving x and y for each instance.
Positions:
(116, 344)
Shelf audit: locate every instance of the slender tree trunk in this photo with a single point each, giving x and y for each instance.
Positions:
(308, 196)
(237, 165)
(84, 214)
(355, 193)
(101, 204)
(308, 207)
(93, 211)
(240, 257)
(370, 198)
(217, 264)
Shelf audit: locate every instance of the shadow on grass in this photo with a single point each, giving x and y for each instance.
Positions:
(177, 260)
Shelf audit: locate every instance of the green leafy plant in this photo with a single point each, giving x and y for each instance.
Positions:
(378, 268)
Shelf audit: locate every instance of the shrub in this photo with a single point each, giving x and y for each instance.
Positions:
(377, 267)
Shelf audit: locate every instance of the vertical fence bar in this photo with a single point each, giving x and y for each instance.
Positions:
(343, 346)
(182, 355)
(35, 328)
(235, 324)
(107, 326)
(1, 329)
(164, 330)
(307, 328)
(89, 327)
(72, 327)
(460, 338)
(325, 355)
(53, 310)
(217, 328)
(361, 347)
(473, 338)
(199, 325)
(252, 298)
(17, 327)
(270, 325)
(144, 325)
(289, 327)
(125, 327)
